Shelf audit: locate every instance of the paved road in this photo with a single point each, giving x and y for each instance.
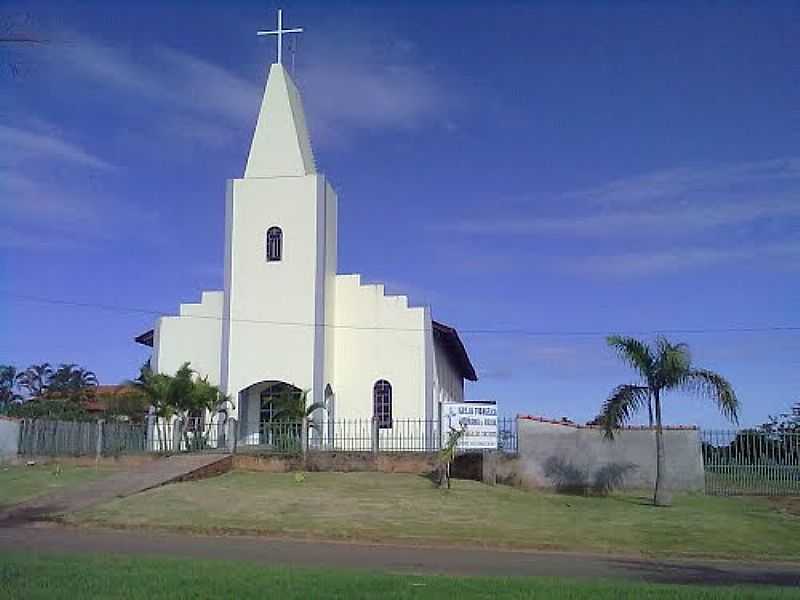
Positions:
(54, 538)
(125, 483)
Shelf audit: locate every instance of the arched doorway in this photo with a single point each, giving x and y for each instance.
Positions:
(281, 411)
(270, 413)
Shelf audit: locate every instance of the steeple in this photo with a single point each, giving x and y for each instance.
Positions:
(281, 146)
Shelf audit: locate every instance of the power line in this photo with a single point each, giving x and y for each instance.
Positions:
(476, 331)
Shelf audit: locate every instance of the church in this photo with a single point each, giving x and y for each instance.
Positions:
(287, 319)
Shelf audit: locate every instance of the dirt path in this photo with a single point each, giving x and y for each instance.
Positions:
(457, 561)
(125, 483)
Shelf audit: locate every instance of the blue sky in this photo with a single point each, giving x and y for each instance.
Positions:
(542, 166)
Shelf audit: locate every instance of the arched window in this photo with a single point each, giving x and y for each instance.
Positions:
(274, 244)
(382, 403)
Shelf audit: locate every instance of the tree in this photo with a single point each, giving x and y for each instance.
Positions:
(181, 395)
(35, 379)
(788, 422)
(8, 387)
(448, 454)
(292, 405)
(159, 389)
(71, 382)
(125, 403)
(663, 367)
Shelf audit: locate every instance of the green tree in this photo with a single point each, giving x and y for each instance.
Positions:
(662, 367)
(788, 422)
(159, 389)
(448, 454)
(35, 379)
(182, 395)
(292, 405)
(71, 382)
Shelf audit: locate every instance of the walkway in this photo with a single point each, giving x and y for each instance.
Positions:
(125, 483)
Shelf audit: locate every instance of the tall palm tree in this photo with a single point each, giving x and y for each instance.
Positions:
(71, 382)
(663, 367)
(36, 379)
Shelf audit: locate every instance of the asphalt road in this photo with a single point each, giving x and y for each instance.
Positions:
(409, 559)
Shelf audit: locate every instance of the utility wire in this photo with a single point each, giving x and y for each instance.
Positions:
(477, 331)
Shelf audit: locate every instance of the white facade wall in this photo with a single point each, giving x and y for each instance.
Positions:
(194, 336)
(379, 337)
(274, 310)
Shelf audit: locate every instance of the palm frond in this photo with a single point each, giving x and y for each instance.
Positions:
(672, 363)
(620, 407)
(713, 385)
(635, 353)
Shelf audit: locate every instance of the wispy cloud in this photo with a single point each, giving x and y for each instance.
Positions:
(686, 219)
(19, 145)
(782, 254)
(669, 184)
(668, 202)
(341, 95)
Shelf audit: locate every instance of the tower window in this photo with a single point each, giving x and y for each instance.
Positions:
(382, 403)
(274, 244)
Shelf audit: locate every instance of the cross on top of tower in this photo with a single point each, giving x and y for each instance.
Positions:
(280, 31)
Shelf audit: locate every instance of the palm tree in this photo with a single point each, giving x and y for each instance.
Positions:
(291, 405)
(36, 379)
(71, 382)
(159, 390)
(662, 367)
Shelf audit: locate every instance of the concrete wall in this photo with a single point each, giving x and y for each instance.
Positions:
(572, 458)
(194, 336)
(379, 337)
(9, 439)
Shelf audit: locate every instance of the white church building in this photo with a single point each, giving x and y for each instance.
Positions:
(286, 317)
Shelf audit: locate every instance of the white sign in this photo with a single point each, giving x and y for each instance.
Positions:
(479, 419)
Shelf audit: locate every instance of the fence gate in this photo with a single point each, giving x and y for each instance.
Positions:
(751, 463)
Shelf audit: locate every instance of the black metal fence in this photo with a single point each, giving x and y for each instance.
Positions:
(203, 434)
(365, 435)
(751, 463)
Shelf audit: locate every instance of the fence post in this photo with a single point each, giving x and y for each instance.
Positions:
(33, 437)
(304, 436)
(99, 445)
(231, 434)
(176, 434)
(376, 440)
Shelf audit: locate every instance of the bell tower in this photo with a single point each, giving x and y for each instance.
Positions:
(280, 255)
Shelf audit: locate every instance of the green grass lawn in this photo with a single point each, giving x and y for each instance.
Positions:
(18, 483)
(30, 577)
(409, 509)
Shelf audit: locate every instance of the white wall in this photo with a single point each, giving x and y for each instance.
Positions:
(555, 455)
(378, 337)
(194, 336)
(273, 307)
